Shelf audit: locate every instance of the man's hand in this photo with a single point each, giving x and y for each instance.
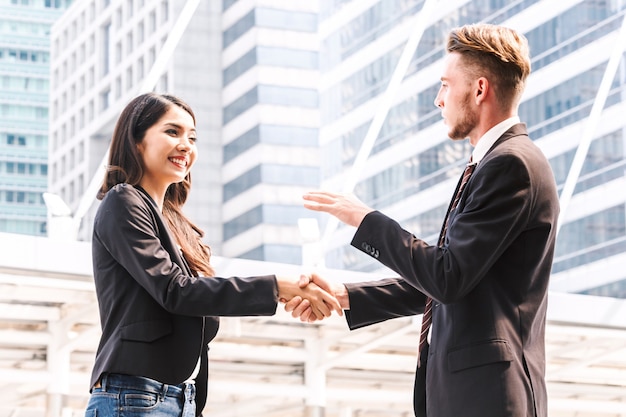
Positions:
(346, 207)
(320, 302)
(301, 309)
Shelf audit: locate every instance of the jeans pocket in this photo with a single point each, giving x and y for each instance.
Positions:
(140, 400)
(90, 413)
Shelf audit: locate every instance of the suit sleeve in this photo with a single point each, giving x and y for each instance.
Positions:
(493, 210)
(375, 301)
(126, 228)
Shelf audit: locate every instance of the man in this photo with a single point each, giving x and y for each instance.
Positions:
(488, 276)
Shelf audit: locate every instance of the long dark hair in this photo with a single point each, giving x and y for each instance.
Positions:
(126, 166)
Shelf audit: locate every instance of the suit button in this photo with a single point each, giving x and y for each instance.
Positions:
(369, 249)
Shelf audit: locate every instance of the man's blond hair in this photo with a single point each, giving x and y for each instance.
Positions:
(496, 52)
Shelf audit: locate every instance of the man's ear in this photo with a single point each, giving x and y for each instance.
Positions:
(482, 87)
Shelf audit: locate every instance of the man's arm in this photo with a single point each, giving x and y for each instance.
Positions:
(365, 302)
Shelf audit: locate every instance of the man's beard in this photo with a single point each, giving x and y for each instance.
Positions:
(466, 123)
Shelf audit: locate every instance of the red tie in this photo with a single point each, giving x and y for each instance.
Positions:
(428, 310)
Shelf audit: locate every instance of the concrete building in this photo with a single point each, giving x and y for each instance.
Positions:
(250, 73)
(24, 71)
(270, 125)
(104, 53)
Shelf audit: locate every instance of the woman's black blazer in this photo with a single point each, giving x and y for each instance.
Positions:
(157, 318)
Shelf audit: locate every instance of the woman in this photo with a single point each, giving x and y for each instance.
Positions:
(157, 295)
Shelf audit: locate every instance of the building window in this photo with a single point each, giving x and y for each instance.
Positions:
(118, 52)
(118, 87)
(243, 222)
(106, 48)
(240, 66)
(105, 99)
(140, 33)
(274, 134)
(81, 53)
(140, 69)
(240, 105)
(118, 17)
(151, 56)
(242, 183)
(238, 28)
(165, 13)
(16, 140)
(269, 94)
(271, 174)
(91, 45)
(152, 22)
(129, 78)
(286, 20)
(227, 3)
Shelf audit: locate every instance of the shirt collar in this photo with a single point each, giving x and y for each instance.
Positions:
(491, 136)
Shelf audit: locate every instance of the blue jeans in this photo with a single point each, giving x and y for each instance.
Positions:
(135, 396)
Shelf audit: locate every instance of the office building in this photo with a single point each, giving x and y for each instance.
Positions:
(102, 55)
(270, 125)
(249, 72)
(24, 71)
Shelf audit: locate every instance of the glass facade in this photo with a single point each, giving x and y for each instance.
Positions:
(417, 163)
(270, 87)
(272, 134)
(270, 56)
(24, 87)
(267, 94)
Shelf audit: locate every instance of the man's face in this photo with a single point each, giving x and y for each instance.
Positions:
(455, 99)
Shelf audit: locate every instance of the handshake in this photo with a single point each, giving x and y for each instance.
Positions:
(312, 298)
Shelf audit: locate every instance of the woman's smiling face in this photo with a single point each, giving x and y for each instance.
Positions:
(168, 149)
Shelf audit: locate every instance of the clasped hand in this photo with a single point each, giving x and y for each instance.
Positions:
(303, 308)
(307, 298)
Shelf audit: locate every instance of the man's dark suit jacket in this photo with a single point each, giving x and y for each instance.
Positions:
(156, 318)
(489, 284)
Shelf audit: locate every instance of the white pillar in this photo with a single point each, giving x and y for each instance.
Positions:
(345, 412)
(58, 363)
(315, 378)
